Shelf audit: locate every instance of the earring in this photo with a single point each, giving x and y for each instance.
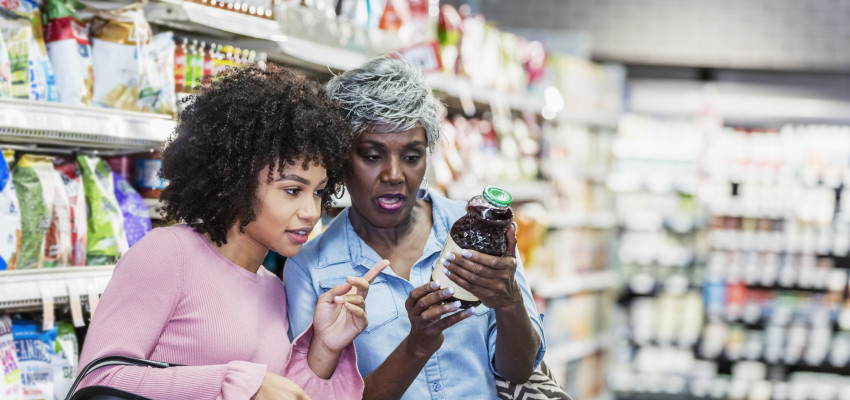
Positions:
(341, 194)
(423, 192)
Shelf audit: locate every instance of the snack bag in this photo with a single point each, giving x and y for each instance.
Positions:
(18, 36)
(35, 350)
(72, 182)
(106, 239)
(34, 187)
(157, 94)
(68, 48)
(39, 56)
(5, 70)
(120, 40)
(65, 360)
(10, 219)
(57, 241)
(11, 387)
(137, 217)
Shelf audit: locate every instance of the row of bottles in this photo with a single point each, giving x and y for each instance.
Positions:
(257, 8)
(195, 61)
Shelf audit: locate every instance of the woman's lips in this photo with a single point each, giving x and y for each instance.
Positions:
(299, 236)
(390, 202)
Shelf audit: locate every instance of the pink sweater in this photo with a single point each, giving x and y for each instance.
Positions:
(175, 298)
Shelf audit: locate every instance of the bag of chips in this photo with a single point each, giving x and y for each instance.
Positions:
(18, 36)
(5, 70)
(35, 349)
(57, 241)
(72, 181)
(65, 359)
(157, 94)
(68, 48)
(137, 217)
(34, 186)
(120, 40)
(106, 239)
(10, 219)
(11, 387)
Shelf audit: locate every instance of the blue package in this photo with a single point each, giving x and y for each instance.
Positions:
(35, 349)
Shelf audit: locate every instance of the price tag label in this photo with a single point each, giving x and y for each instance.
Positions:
(93, 295)
(48, 299)
(426, 56)
(75, 292)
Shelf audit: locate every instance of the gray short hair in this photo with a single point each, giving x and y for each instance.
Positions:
(388, 91)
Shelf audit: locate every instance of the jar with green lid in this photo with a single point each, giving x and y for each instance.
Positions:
(482, 229)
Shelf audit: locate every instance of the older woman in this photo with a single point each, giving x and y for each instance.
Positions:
(435, 352)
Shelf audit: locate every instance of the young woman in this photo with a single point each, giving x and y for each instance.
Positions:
(415, 347)
(254, 158)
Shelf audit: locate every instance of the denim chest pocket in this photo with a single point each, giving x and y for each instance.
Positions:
(381, 307)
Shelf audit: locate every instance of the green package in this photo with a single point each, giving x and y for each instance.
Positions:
(106, 239)
(35, 197)
(65, 359)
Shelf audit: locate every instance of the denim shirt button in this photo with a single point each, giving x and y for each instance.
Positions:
(437, 387)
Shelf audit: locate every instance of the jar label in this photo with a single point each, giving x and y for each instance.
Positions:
(438, 275)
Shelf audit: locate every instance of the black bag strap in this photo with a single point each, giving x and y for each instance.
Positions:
(106, 361)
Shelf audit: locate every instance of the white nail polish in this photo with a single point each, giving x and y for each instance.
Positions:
(447, 272)
(445, 262)
(466, 254)
(435, 284)
(450, 256)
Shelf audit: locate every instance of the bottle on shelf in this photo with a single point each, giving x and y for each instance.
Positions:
(180, 54)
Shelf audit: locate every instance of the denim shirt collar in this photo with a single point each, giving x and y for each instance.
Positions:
(340, 235)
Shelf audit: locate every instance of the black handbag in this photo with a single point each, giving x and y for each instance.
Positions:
(106, 392)
(540, 386)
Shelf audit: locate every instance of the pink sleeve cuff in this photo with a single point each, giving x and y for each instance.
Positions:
(345, 383)
(242, 380)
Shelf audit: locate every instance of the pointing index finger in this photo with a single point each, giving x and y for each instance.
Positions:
(376, 270)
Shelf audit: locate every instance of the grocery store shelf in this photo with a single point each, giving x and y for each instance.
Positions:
(644, 149)
(578, 349)
(566, 286)
(22, 289)
(593, 219)
(199, 18)
(457, 87)
(520, 191)
(61, 124)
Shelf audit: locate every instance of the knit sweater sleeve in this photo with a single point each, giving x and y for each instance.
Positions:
(146, 288)
(345, 383)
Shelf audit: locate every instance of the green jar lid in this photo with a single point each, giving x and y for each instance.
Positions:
(497, 196)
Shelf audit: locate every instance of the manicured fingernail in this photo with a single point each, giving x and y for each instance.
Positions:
(349, 279)
(445, 262)
(466, 254)
(338, 299)
(447, 272)
(435, 284)
(448, 291)
(467, 312)
(454, 305)
(450, 256)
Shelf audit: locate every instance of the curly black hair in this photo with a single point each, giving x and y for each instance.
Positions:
(246, 120)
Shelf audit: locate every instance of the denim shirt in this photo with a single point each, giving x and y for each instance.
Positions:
(463, 366)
